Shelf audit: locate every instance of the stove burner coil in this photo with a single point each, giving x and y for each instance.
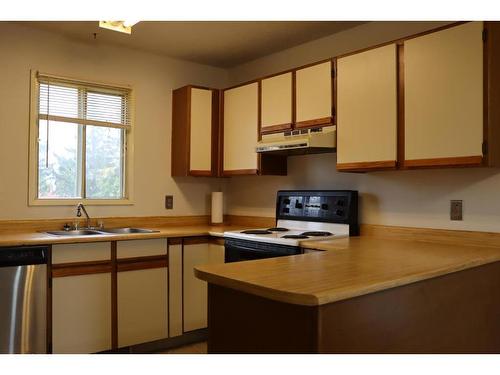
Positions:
(297, 236)
(316, 234)
(278, 229)
(257, 231)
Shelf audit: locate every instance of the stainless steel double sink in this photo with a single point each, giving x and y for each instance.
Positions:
(93, 232)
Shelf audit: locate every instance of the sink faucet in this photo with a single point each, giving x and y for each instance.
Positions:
(79, 209)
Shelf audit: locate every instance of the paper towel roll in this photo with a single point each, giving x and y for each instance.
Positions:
(217, 207)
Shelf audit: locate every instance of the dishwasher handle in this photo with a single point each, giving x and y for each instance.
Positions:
(23, 255)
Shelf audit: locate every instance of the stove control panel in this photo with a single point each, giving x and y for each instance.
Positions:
(315, 206)
(332, 206)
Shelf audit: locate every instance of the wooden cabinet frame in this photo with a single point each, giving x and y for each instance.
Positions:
(267, 164)
(350, 68)
(326, 121)
(112, 266)
(279, 127)
(276, 165)
(320, 122)
(491, 108)
(182, 241)
(181, 133)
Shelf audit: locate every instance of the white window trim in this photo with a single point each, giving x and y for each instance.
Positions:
(33, 199)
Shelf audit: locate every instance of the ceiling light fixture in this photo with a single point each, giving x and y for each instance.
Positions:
(120, 26)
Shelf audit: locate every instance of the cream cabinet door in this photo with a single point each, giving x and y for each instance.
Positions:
(175, 289)
(195, 290)
(141, 248)
(200, 152)
(216, 253)
(241, 129)
(81, 313)
(142, 297)
(142, 294)
(276, 103)
(313, 90)
(443, 74)
(367, 109)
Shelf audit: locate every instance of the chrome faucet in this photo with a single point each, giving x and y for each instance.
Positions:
(79, 209)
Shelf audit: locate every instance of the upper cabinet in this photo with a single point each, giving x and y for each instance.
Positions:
(240, 124)
(240, 133)
(443, 97)
(195, 123)
(301, 98)
(367, 110)
(313, 95)
(428, 100)
(431, 100)
(277, 103)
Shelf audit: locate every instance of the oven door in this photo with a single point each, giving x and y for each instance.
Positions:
(240, 250)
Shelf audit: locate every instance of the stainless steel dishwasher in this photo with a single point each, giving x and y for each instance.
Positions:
(23, 299)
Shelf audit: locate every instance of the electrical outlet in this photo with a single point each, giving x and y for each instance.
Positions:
(456, 210)
(169, 202)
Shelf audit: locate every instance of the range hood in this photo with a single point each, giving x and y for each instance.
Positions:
(299, 142)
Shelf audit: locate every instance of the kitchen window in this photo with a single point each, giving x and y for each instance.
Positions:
(80, 136)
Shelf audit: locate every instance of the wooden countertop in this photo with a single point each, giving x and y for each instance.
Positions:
(20, 238)
(351, 267)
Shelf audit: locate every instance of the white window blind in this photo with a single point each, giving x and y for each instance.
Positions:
(63, 100)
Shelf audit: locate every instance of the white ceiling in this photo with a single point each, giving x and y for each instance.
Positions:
(222, 44)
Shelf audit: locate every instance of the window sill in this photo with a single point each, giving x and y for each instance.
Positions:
(87, 202)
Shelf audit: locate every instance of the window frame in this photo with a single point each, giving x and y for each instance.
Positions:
(128, 155)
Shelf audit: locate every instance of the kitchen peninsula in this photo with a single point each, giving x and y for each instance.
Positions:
(359, 295)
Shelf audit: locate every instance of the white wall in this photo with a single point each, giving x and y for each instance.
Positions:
(153, 78)
(417, 198)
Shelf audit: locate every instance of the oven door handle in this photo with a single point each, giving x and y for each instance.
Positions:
(267, 249)
(244, 248)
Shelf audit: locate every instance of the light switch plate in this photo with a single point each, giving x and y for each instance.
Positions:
(455, 210)
(169, 202)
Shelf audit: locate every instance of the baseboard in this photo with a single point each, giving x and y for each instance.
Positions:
(152, 347)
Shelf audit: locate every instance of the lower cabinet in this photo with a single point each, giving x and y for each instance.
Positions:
(111, 295)
(175, 287)
(216, 251)
(81, 298)
(142, 291)
(142, 306)
(81, 313)
(195, 290)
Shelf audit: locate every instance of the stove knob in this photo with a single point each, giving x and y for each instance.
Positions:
(286, 201)
(298, 205)
(340, 203)
(339, 212)
(324, 206)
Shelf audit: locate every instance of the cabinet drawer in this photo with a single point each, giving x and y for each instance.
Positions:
(141, 248)
(81, 252)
